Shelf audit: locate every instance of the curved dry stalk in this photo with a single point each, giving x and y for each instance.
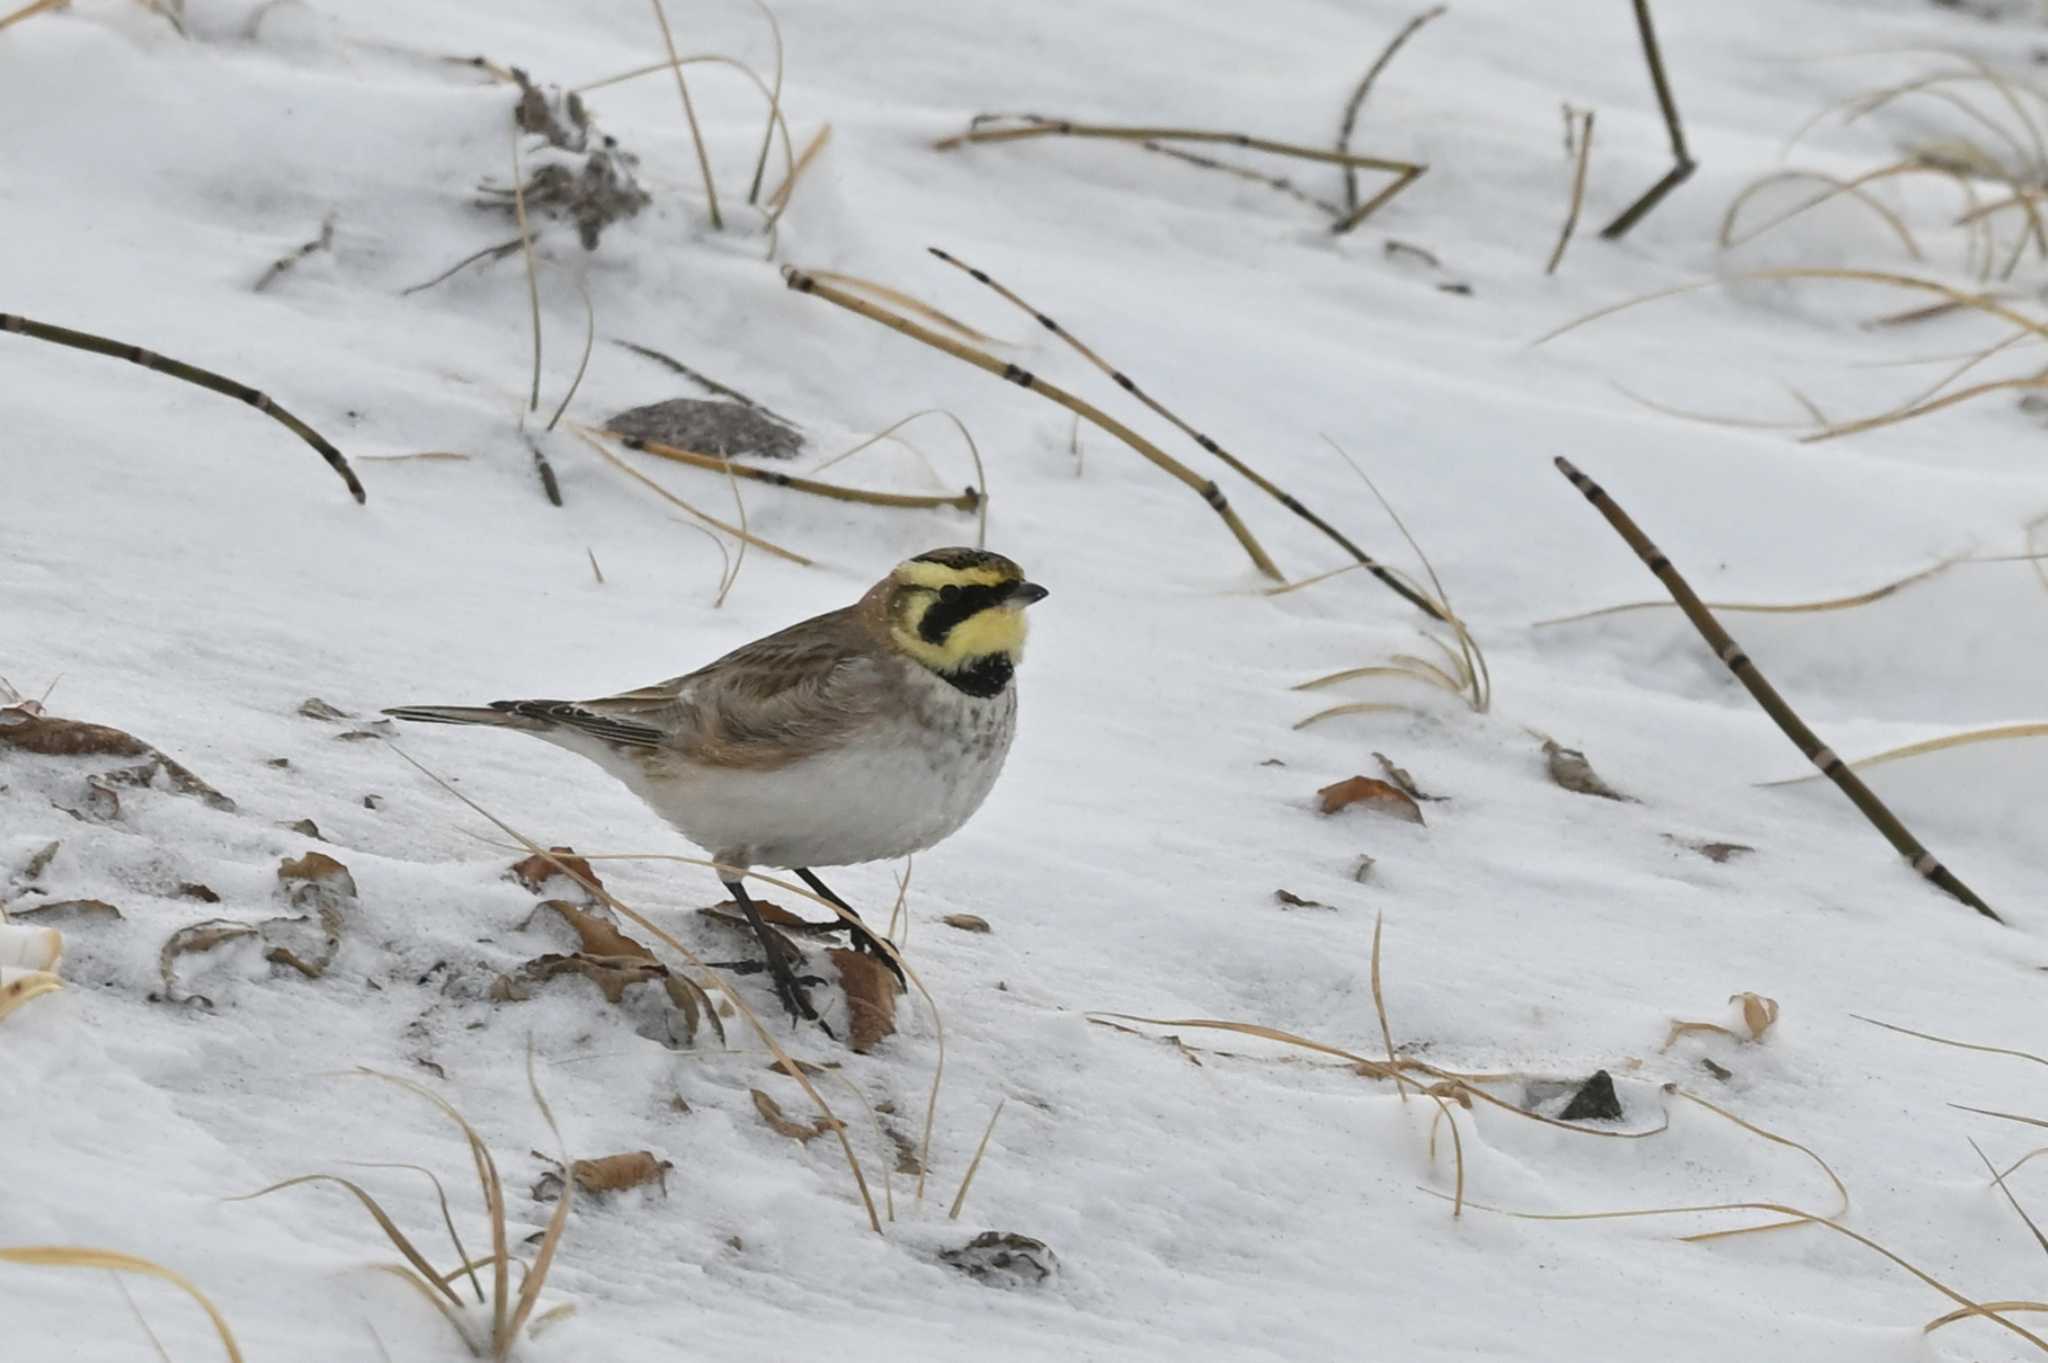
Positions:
(1279, 183)
(1955, 297)
(1968, 363)
(967, 1181)
(1837, 603)
(1731, 655)
(447, 1220)
(1836, 188)
(1034, 125)
(779, 201)
(589, 341)
(112, 1261)
(910, 303)
(399, 1239)
(1361, 707)
(551, 1235)
(191, 373)
(1257, 479)
(690, 114)
(1892, 418)
(973, 453)
(766, 546)
(1706, 418)
(789, 1065)
(725, 582)
(532, 281)
(1024, 378)
(1426, 672)
(1985, 1309)
(1358, 96)
(1841, 1189)
(774, 104)
(1379, 1006)
(1966, 1312)
(1571, 217)
(1997, 733)
(961, 501)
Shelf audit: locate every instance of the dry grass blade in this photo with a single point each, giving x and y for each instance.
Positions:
(1996, 734)
(778, 202)
(910, 303)
(1206, 489)
(669, 940)
(740, 506)
(1358, 96)
(1947, 1041)
(1360, 707)
(73, 1256)
(1999, 1179)
(765, 546)
(455, 1319)
(690, 114)
(1968, 1312)
(973, 453)
(914, 501)
(532, 279)
(1275, 182)
(774, 107)
(1767, 698)
(1122, 380)
(29, 11)
(447, 1220)
(551, 1238)
(1841, 1189)
(1023, 126)
(190, 373)
(1571, 217)
(1836, 188)
(589, 341)
(2002, 1116)
(967, 1180)
(1836, 603)
(399, 1239)
(1379, 1006)
(1986, 1309)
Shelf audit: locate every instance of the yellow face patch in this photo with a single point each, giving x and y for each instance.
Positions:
(934, 616)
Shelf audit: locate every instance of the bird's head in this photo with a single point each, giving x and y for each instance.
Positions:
(959, 612)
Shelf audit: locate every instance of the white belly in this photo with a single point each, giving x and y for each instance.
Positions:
(904, 786)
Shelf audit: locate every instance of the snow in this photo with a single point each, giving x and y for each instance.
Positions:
(185, 570)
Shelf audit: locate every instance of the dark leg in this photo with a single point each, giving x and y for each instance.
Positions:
(1682, 162)
(787, 987)
(862, 938)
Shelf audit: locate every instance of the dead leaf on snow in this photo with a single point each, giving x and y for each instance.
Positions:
(315, 877)
(771, 1113)
(1287, 899)
(1570, 769)
(315, 708)
(67, 911)
(967, 922)
(535, 871)
(192, 939)
(192, 889)
(596, 936)
(27, 730)
(303, 827)
(1759, 1015)
(870, 989)
(1375, 795)
(613, 976)
(774, 915)
(606, 1174)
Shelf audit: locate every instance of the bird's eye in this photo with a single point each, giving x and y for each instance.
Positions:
(949, 592)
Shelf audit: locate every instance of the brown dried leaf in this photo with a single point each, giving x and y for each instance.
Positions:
(196, 937)
(192, 889)
(967, 922)
(315, 708)
(316, 871)
(1679, 1029)
(1758, 1013)
(40, 862)
(616, 1173)
(303, 827)
(808, 1067)
(67, 911)
(772, 914)
(870, 990)
(1377, 796)
(771, 1113)
(1570, 769)
(611, 975)
(535, 871)
(597, 936)
(25, 728)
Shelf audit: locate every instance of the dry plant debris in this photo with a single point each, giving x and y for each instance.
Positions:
(1569, 768)
(317, 885)
(25, 728)
(1719, 852)
(1400, 777)
(66, 911)
(805, 1132)
(595, 195)
(1287, 899)
(536, 871)
(1377, 796)
(870, 991)
(18, 987)
(312, 707)
(967, 922)
(1759, 1015)
(721, 427)
(1003, 1259)
(605, 1174)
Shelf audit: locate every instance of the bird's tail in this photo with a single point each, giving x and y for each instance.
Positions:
(463, 714)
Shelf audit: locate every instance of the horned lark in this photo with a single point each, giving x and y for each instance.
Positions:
(863, 734)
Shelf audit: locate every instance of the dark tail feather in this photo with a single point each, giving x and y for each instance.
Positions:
(462, 714)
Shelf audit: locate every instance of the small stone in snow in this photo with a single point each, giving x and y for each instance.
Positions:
(1595, 1101)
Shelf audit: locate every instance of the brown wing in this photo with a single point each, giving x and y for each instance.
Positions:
(764, 704)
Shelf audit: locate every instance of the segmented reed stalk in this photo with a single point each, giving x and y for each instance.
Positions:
(1682, 165)
(1729, 652)
(204, 378)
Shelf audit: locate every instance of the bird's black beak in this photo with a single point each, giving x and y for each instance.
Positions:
(1022, 594)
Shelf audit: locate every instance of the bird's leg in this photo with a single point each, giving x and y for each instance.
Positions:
(787, 986)
(863, 939)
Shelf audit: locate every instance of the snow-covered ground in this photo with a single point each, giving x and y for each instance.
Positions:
(185, 570)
